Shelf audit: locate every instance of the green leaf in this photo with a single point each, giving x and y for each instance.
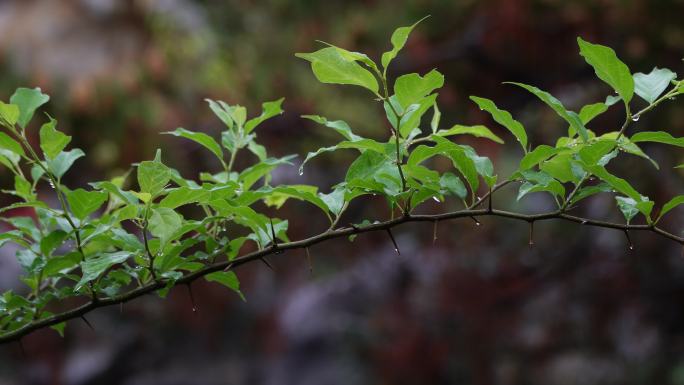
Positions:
(201, 138)
(95, 266)
(590, 111)
(269, 110)
(330, 67)
(628, 207)
(412, 88)
(227, 279)
(504, 118)
(412, 116)
(539, 181)
(453, 185)
(183, 196)
(588, 191)
(560, 168)
(63, 162)
(360, 144)
(478, 131)
(623, 187)
(671, 204)
(570, 117)
(7, 143)
(252, 174)
(52, 142)
(84, 203)
(334, 200)
(608, 68)
(163, 223)
(28, 100)
(9, 114)
(536, 156)
(651, 86)
(591, 154)
(52, 241)
(222, 111)
(338, 125)
(398, 39)
(153, 176)
(658, 137)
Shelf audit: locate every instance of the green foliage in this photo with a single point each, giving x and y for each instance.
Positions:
(120, 237)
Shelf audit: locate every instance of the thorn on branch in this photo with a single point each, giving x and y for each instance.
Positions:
(21, 347)
(489, 201)
(274, 239)
(434, 231)
(121, 307)
(308, 259)
(394, 242)
(267, 263)
(192, 298)
(629, 240)
(531, 243)
(230, 265)
(87, 323)
(477, 223)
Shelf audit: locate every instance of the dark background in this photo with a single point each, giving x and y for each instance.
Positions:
(477, 307)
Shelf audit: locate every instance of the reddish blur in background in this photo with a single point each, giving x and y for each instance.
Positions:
(477, 307)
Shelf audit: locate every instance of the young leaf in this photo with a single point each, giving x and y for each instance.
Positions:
(399, 37)
(84, 203)
(536, 156)
(227, 279)
(504, 118)
(222, 111)
(628, 207)
(658, 137)
(152, 176)
(590, 111)
(412, 88)
(453, 185)
(199, 137)
(608, 68)
(163, 223)
(93, 267)
(478, 131)
(269, 110)
(63, 161)
(28, 100)
(52, 142)
(338, 125)
(412, 116)
(571, 117)
(330, 67)
(9, 114)
(651, 86)
(7, 143)
(671, 204)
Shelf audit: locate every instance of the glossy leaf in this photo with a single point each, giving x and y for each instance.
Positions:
(329, 66)
(199, 137)
(671, 204)
(269, 110)
(412, 88)
(573, 119)
(657, 137)
(478, 131)
(650, 86)
(52, 142)
(227, 279)
(398, 39)
(63, 162)
(84, 203)
(28, 100)
(608, 68)
(504, 118)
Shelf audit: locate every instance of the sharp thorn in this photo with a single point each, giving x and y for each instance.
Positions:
(192, 298)
(629, 240)
(308, 259)
(531, 234)
(87, 323)
(267, 263)
(434, 232)
(394, 242)
(274, 239)
(230, 265)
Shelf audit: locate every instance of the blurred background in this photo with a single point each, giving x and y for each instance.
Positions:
(479, 306)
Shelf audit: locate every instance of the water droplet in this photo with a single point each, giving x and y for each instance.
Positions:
(478, 224)
(631, 247)
(301, 171)
(584, 222)
(635, 118)
(671, 98)
(52, 185)
(436, 199)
